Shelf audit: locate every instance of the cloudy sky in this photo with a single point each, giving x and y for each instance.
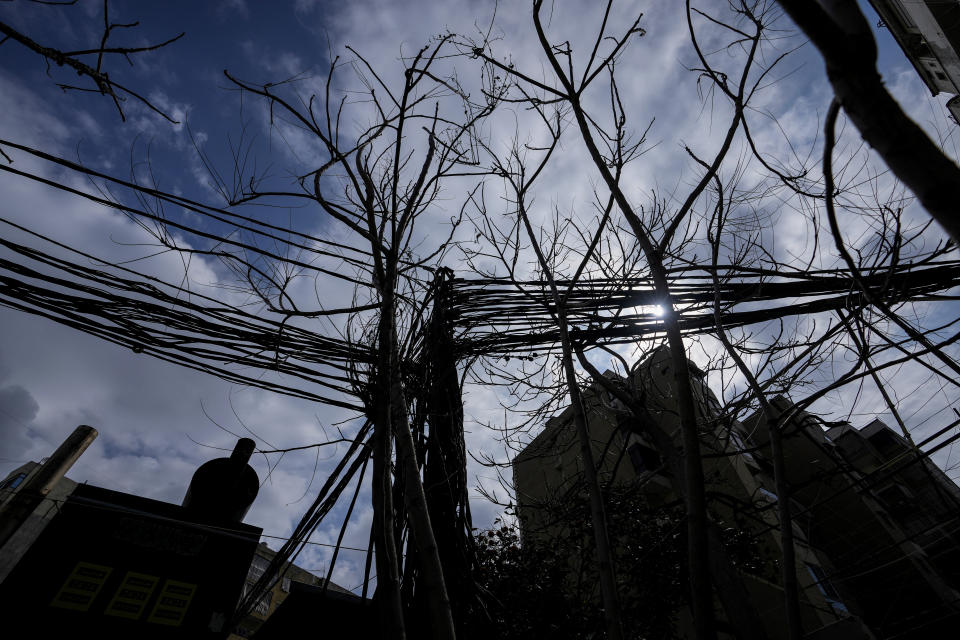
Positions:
(151, 415)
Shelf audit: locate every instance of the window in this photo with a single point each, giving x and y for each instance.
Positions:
(257, 568)
(884, 518)
(644, 459)
(767, 495)
(285, 585)
(741, 446)
(829, 592)
(263, 604)
(14, 482)
(887, 443)
(853, 447)
(897, 498)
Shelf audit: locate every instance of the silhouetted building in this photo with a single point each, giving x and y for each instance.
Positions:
(875, 525)
(29, 494)
(308, 612)
(629, 454)
(885, 516)
(37, 521)
(114, 565)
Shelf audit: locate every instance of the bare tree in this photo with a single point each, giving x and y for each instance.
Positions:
(569, 87)
(376, 183)
(82, 61)
(392, 353)
(380, 198)
(519, 180)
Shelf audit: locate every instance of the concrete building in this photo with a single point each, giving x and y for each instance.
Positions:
(36, 522)
(928, 31)
(201, 547)
(876, 523)
(114, 565)
(886, 517)
(640, 453)
(291, 575)
(30, 495)
(81, 560)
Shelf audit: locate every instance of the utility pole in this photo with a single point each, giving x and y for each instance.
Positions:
(23, 503)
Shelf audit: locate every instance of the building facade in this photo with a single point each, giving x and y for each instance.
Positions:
(81, 560)
(885, 516)
(875, 526)
(33, 526)
(273, 598)
(113, 565)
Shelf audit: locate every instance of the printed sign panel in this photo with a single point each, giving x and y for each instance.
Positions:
(173, 602)
(81, 587)
(131, 598)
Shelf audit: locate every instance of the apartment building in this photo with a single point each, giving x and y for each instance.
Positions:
(875, 524)
(928, 32)
(887, 518)
(292, 577)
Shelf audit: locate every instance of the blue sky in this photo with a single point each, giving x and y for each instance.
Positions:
(149, 413)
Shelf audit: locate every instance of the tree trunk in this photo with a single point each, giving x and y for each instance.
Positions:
(605, 561)
(440, 619)
(388, 566)
(608, 580)
(696, 506)
(444, 470)
(840, 32)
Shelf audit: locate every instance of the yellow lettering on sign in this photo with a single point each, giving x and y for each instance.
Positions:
(172, 605)
(81, 587)
(131, 597)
